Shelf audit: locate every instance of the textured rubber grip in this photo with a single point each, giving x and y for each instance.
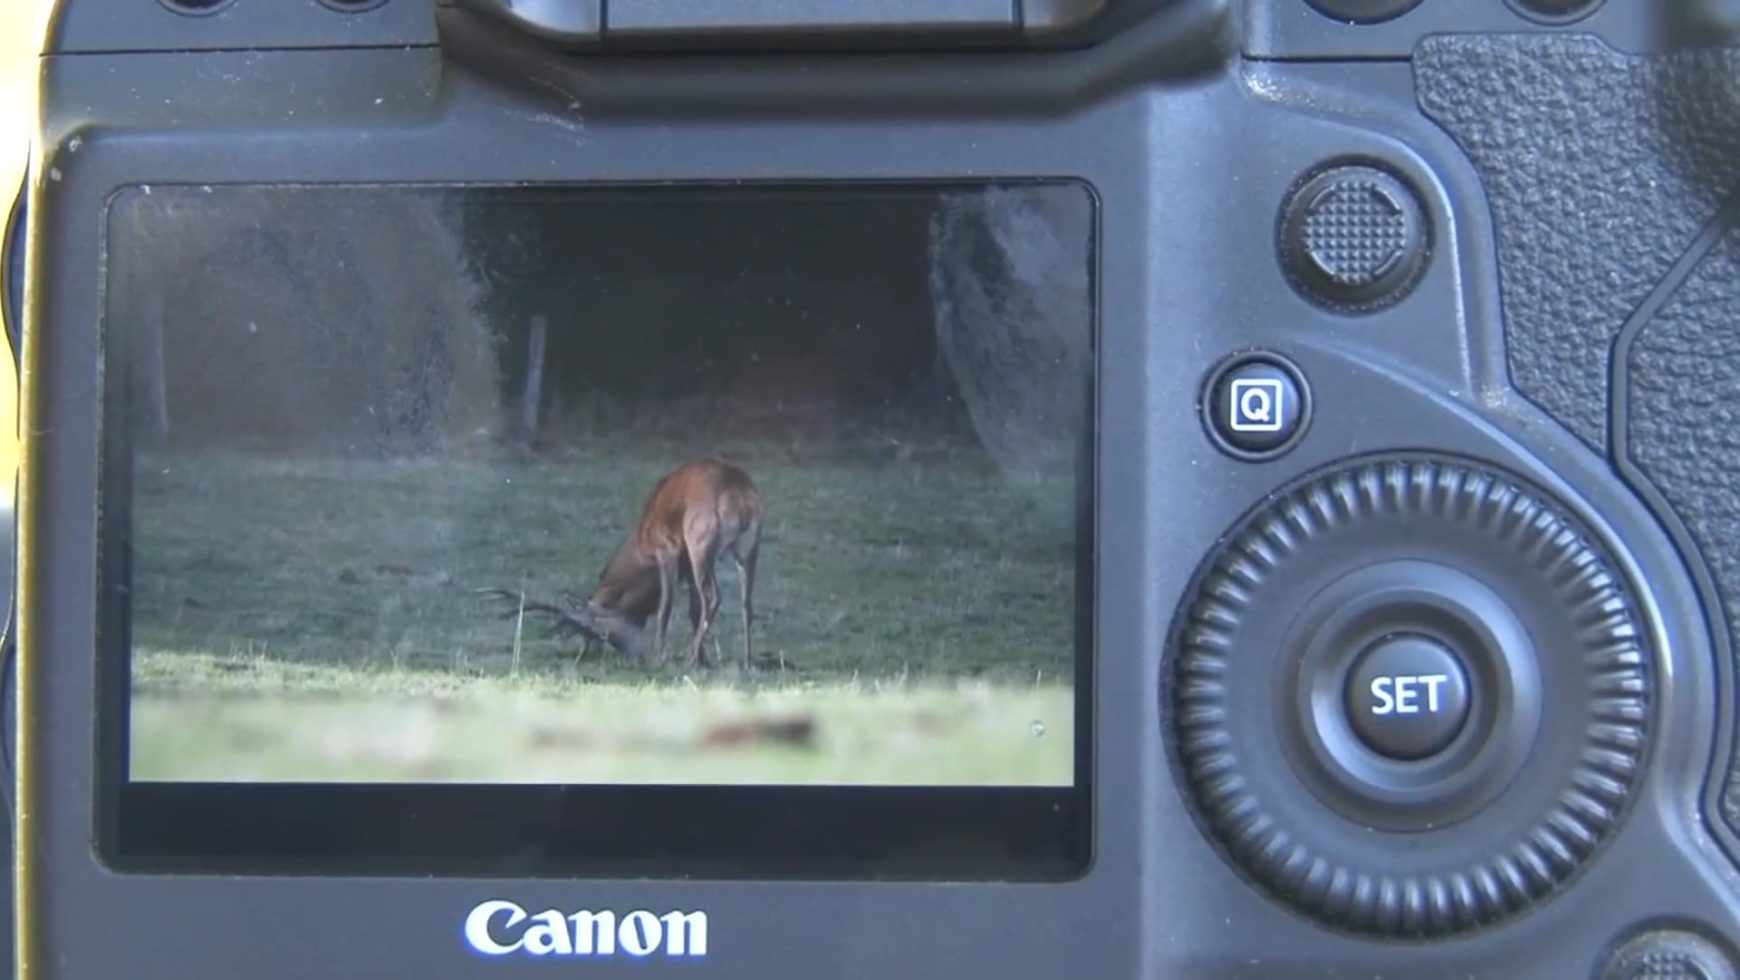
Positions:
(1614, 182)
(1601, 168)
(1684, 424)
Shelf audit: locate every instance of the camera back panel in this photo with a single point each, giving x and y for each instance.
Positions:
(1354, 283)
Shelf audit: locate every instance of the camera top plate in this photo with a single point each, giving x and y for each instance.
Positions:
(716, 24)
(1308, 31)
(620, 25)
(234, 25)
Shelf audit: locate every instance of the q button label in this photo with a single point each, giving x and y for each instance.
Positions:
(1256, 406)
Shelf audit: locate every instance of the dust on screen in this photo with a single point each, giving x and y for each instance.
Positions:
(416, 471)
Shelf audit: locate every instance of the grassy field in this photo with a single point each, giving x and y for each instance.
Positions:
(315, 620)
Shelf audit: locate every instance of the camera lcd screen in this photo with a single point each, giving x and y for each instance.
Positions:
(435, 504)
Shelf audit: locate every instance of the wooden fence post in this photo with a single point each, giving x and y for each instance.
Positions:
(531, 394)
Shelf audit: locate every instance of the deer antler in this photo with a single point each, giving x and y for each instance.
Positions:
(566, 623)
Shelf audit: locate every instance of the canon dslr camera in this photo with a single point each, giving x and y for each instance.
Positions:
(966, 488)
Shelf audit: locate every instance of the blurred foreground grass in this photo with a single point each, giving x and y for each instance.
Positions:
(354, 729)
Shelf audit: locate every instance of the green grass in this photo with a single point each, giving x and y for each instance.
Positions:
(315, 619)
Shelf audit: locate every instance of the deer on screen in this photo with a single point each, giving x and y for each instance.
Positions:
(701, 511)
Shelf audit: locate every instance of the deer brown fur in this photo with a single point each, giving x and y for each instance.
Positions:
(701, 511)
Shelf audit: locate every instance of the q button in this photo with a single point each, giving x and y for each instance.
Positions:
(1256, 406)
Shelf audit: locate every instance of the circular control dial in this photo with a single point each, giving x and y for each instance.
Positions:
(1307, 661)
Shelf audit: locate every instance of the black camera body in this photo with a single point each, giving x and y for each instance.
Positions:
(1407, 535)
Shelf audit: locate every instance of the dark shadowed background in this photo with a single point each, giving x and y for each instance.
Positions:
(351, 320)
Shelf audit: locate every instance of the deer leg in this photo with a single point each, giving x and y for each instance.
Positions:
(701, 559)
(746, 592)
(667, 585)
(695, 615)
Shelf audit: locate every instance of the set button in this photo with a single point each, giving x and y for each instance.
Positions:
(1407, 696)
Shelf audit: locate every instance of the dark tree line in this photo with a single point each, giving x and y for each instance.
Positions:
(298, 318)
(411, 321)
